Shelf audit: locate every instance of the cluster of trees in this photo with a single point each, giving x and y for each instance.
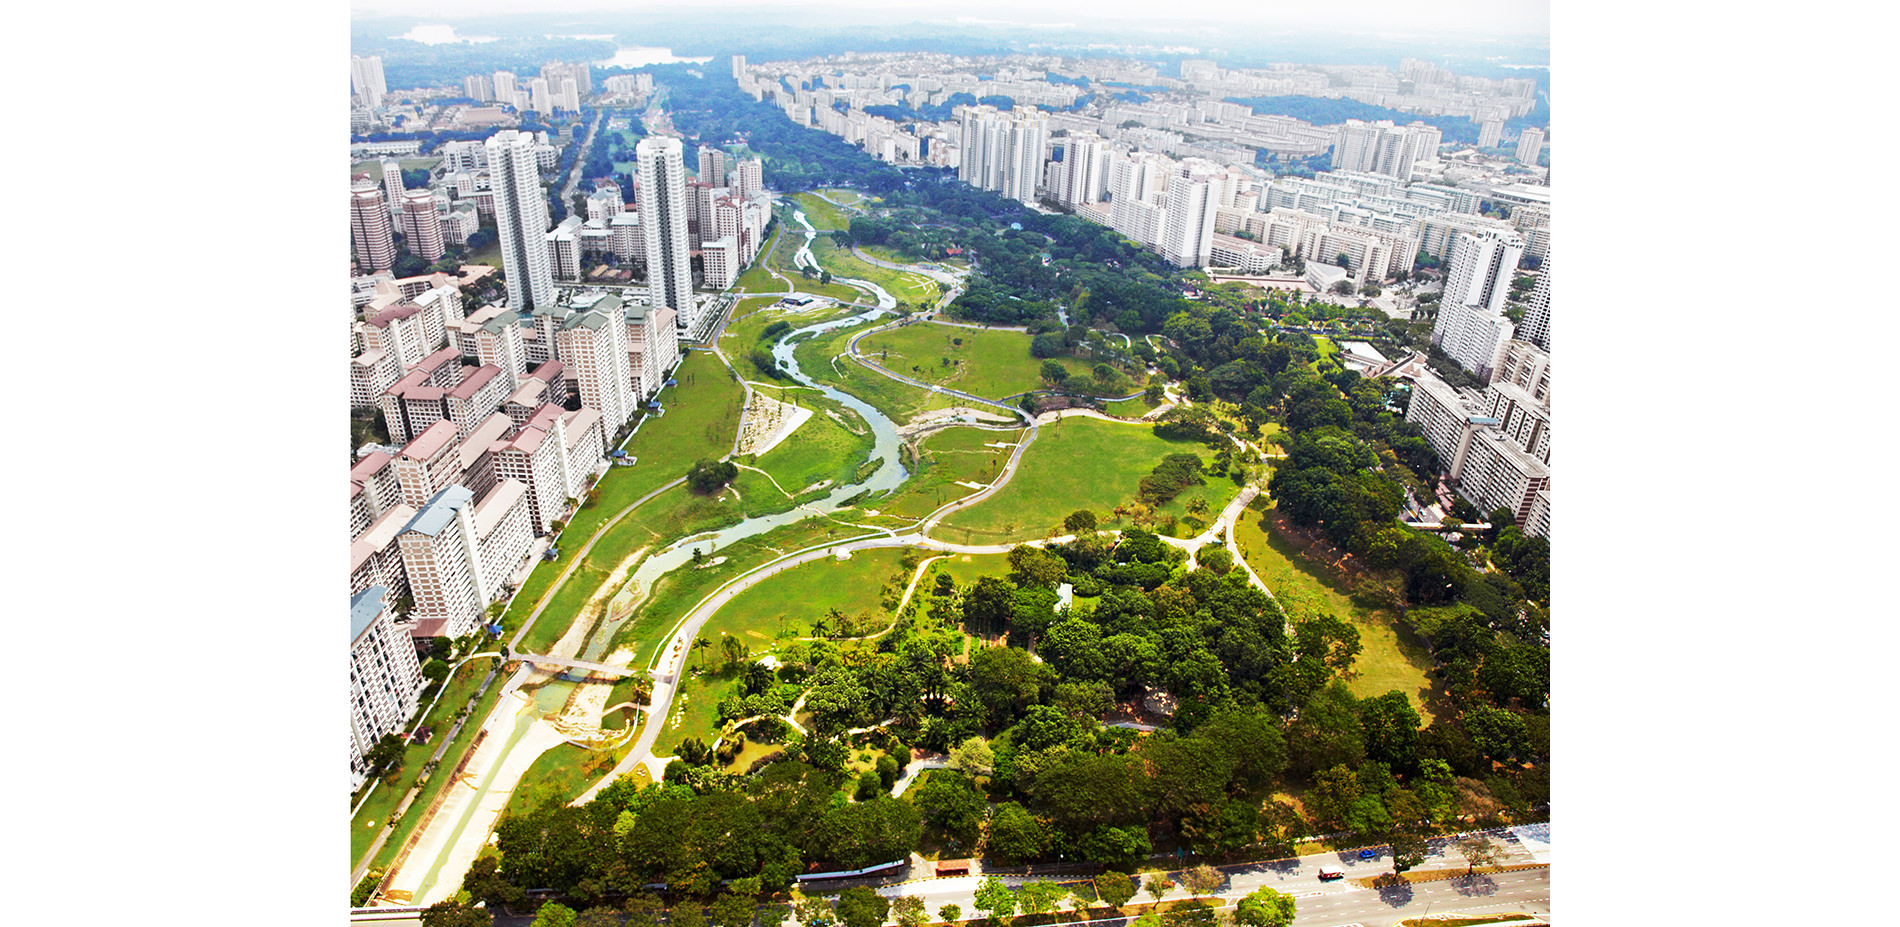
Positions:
(710, 476)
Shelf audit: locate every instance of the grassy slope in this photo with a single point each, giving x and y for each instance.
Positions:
(1392, 658)
(949, 456)
(1082, 463)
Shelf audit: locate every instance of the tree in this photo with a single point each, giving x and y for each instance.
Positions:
(553, 915)
(1190, 914)
(1479, 850)
(814, 911)
(1114, 888)
(994, 899)
(1080, 521)
(1040, 896)
(1265, 907)
(1408, 848)
(1202, 880)
(1343, 287)
(687, 914)
(386, 756)
(909, 910)
(709, 476)
(733, 909)
(699, 644)
(861, 907)
(1016, 835)
(950, 913)
(1054, 374)
(1158, 884)
(733, 648)
(453, 913)
(601, 916)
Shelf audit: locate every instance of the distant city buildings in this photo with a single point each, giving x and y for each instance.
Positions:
(1529, 144)
(370, 230)
(366, 81)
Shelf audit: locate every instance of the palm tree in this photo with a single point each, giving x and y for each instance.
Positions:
(701, 643)
(819, 626)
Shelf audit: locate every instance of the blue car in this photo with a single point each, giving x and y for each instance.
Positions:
(1368, 854)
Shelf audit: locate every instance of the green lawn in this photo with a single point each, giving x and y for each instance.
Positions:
(560, 775)
(822, 215)
(897, 400)
(946, 458)
(904, 286)
(1129, 408)
(992, 363)
(820, 449)
(967, 568)
(1392, 658)
(702, 418)
(1080, 463)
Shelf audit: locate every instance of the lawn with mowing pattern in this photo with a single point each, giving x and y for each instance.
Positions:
(1392, 656)
(1079, 463)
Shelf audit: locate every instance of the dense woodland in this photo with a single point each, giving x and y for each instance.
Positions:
(1261, 709)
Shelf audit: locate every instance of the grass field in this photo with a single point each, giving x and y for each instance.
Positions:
(844, 197)
(822, 215)
(947, 457)
(701, 420)
(991, 363)
(560, 775)
(1080, 463)
(1392, 656)
(897, 400)
(375, 168)
(820, 449)
(1129, 408)
(781, 261)
(904, 286)
(785, 605)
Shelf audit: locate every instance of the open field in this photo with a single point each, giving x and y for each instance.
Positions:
(818, 358)
(845, 197)
(822, 215)
(904, 286)
(781, 261)
(375, 168)
(1392, 658)
(560, 775)
(820, 450)
(1128, 408)
(1079, 463)
(947, 458)
(991, 363)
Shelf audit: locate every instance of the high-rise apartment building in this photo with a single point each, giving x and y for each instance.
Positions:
(1482, 265)
(392, 187)
(1536, 328)
(1490, 132)
(1003, 151)
(421, 226)
(505, 87)
(592, 344)
(541, 96)
(478, 87)
(748, 178)
(1529, 144)
(521, 218)
(712, 166)
(366, 80)
(1082, 174)
(385, 676)
(1187, 229)
(369, 226)
(664, 213)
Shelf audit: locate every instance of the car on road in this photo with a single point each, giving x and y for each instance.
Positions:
(1329, 873)
(1368, 854)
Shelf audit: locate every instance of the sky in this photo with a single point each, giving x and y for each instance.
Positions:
(1513, 17)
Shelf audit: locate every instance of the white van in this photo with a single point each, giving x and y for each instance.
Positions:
(1328, 873)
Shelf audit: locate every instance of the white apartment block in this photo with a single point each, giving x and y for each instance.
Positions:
(720, 259)
(1082, 174)
(376, 558)
(564, 249)
(537, 459)
(521, 219)
(366, 80)
(1187, 228)
(428, 464)
(1529, 145)
(1490, 132)
(748, 178)
(408, 331)
(1536, 328)
(592, 344)
(478, 87)
(1481, 461)
(372, 372)
(605, 202)
(479, 394)
(664, 214)
(1003, 151)
(457, 553)
(497, 343)
(653, 347)
(385, 678)
(1482, 266)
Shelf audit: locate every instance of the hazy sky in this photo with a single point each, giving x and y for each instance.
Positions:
(1520, 17)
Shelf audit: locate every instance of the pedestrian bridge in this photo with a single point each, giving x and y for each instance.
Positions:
(600, 669)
